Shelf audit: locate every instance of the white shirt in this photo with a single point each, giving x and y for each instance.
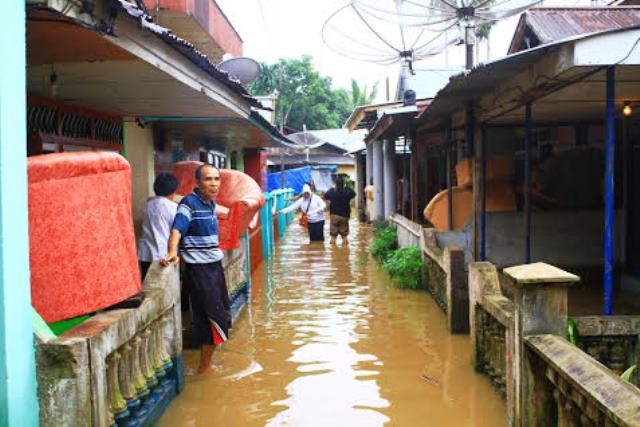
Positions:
(315, 206)
(157, 220)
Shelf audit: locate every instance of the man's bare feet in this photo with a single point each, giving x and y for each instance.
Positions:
(206, 352)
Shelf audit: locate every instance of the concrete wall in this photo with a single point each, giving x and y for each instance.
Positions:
(18, 396)
(139, 143)
(568, 239)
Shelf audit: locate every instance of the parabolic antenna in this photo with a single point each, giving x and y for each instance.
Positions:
(362, 36)
(439, 15)
(242, 68)
(306, 141)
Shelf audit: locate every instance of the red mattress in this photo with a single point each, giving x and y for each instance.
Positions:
(238, 191)
(81, 241)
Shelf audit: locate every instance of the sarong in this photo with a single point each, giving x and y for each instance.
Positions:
(211, 309)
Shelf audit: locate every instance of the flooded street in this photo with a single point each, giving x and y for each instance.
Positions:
(328, 341)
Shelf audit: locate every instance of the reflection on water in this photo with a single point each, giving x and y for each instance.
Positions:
(328, 341)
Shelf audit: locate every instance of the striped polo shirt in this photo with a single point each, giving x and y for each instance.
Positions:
(197, 222)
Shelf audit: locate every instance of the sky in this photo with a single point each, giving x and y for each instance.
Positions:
(273, 29)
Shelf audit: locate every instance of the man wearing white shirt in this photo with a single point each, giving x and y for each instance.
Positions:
(157, 220)
(313, 206)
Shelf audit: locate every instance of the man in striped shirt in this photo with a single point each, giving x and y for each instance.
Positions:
(195, 230)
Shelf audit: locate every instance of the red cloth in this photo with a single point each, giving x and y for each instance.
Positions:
(81, 241)
(217, 338)
(238, 191)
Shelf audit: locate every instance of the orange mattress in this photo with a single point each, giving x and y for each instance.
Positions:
(498, 169)
(500, 198)
(238, 191)
(81, 241)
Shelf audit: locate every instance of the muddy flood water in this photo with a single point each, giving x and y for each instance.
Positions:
(328, 341)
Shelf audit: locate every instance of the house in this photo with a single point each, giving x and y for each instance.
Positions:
(540, 25)
(103, 76)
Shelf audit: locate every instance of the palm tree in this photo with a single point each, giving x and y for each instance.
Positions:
(361, 96)
(483, 33)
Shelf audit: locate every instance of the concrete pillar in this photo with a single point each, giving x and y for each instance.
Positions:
(139, 142)
(18, 392)
(378, 182)
(360, 184)
(540, 296)
(389, 154)
(369, 167)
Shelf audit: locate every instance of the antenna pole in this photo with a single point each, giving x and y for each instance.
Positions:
(387, 81)
(470, 41)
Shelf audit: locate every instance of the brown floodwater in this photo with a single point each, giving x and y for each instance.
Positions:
(326, 340)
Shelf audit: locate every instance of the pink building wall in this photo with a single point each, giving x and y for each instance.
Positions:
(210, 17)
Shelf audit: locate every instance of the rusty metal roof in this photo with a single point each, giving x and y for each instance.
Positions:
(543, 25)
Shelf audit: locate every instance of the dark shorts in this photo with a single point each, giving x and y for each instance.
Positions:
(144, 268)
(211, 310)
(339, 225)
(316, 231)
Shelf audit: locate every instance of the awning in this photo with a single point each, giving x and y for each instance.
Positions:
(500, 88)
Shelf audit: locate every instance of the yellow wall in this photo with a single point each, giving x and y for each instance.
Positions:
(139, 143)
(349, 170)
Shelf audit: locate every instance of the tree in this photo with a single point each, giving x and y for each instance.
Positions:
(303, 95)
(360, 96)
(483, 33)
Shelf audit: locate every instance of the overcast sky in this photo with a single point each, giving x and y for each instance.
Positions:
(273, 29)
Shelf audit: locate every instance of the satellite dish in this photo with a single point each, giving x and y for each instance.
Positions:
(242, 68)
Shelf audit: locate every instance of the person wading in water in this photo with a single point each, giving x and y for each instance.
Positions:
(340, 208)
(313, 207)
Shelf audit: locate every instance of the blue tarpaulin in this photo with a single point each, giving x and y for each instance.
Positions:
(296, 178)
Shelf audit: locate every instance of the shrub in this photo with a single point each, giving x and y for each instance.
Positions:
(384, 241)
(379, 226)
(405, 267)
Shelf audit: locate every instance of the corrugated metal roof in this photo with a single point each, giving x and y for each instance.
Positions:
(427, 82)
(481, 79)
(556, 23)
(187, 49)
(342, 138)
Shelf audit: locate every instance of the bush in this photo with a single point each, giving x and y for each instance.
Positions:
(405, 267)
(379, 226)
(384, 242)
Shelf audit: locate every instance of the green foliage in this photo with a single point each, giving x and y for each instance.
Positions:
(405, 267)
(626, 375)
(385, 240)
(483, 31)
(572, 332)
(304, 96)
(361, 96)
(379, 226)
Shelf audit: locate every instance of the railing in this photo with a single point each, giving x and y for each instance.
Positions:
(408, 231)
(569, 388)
(120, 366)
(445, 277)
(272, 227)
(238, 275)
(492, 326)
(520, 344)
(611, 340)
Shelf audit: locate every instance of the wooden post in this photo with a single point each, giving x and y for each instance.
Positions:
(413, 183)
